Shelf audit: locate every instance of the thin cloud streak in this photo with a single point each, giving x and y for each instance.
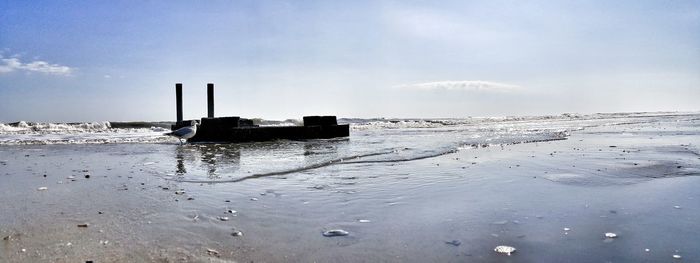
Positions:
(463, 85)
(8, 65)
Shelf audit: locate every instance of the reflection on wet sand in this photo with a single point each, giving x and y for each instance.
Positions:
(284, 157)
(329, 149)
(214, 159)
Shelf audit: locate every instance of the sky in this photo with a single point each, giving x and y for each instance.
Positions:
(120, 60)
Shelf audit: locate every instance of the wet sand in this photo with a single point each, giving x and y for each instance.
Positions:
(638, 181)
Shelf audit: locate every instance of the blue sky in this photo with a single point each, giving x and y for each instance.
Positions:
(119, 60)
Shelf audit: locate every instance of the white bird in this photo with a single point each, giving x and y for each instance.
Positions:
(184, 132)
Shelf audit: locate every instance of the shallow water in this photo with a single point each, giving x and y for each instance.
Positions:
(481, 186)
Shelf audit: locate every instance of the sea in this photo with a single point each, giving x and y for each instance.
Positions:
(374, 140)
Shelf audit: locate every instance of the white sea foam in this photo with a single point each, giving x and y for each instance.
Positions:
(22, 133)
(23, 127)
(467, 131)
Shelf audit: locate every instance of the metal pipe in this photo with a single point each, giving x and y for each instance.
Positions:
(210, 100)
(178, 100)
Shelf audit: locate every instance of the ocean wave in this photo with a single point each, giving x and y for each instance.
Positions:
(491, 128)
(23, 127)
(40, 133)
(59, 141)
(374, 124)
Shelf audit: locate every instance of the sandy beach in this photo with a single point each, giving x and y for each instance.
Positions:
(553, 201)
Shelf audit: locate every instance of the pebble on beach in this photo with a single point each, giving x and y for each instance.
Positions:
(610, 235)
(212, 252)
(43, 188)
(677, 256)
(364, 221)
(335, 233)
(223, 218)
(237, 233)
(504, 250)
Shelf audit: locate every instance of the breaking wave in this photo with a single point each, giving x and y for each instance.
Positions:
(484, 130)
(23, 127)
(30, 133)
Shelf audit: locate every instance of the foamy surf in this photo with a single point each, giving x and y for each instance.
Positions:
(472, 130)
(30, 133)
(23, 127)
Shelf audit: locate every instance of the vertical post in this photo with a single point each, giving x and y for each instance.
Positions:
(178, 100)
(210, 100)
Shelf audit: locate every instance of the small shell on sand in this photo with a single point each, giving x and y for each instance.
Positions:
(610, 235)
(223, 218)
(335, 233)
(504, 250)
(237, 233)
(43, 188)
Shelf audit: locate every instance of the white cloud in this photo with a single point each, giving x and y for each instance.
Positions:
(464, 85)
(8, 65)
